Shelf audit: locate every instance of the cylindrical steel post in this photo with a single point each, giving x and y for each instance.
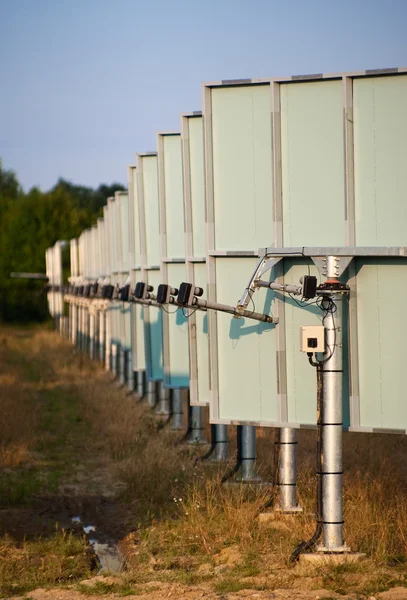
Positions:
(102, 335)
(130, 372)
(122, 366)
(74, 325)
(332, 426)
(108, 340)
(221, 451)
(91, 335)
(248, 454)
(151, 393)
(287, 470)
(177, 412)
(140, 384)
(114, 359)
(164, 399)
(79, 327)
(196, 435)
(332, 516)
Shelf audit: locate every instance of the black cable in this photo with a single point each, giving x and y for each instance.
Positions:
(189, 315)
(306, 545)
(169, 312)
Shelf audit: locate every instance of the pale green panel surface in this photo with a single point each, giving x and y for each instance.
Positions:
(150, 183)
(115, 323)
(125, 237)
(178, 368)
(116, 232)
(242, 167)
(174, 201)
(138, 342)
(202, 340)
(301, 377)
(197, 185)
(380, 149)
(312, 148)
(136, 247)
(382, 334)
(246, 350)
(127, 326)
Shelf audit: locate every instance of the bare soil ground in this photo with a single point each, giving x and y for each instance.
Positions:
(72, 444)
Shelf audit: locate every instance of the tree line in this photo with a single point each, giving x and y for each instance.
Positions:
(32, 221)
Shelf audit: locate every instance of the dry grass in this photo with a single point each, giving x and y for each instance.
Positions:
(58, 407)
(60, 559)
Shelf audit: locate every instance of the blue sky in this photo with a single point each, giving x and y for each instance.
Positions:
(88, 83)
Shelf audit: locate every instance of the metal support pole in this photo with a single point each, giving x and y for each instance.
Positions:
(140, 384)
(102, 335)
(177, 412)
(196, 435)
(130, 372)
(114, 358)
(91, 335)
(248, 454)
(332, 369)
(108, 338)
(164, 400)
(79, 330)
(122, 366)
(221, 451)
(96, 336)
(74, 324)
(151, 393)
(287, 470)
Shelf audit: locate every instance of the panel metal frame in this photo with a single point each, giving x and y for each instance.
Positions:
(191, 259)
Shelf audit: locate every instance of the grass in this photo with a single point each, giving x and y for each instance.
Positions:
(60, 412)
(60, 559)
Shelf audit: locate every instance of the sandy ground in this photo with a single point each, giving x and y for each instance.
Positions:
(159, 591)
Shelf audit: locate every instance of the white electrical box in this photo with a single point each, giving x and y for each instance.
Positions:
(312, 338)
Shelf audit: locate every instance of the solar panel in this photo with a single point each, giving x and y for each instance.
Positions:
(303, 163)
(147, 187)
(175, 327)
(194, 216)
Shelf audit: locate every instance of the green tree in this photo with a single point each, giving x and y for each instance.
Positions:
(29, 224)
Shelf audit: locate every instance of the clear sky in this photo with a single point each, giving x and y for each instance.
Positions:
(88, 83)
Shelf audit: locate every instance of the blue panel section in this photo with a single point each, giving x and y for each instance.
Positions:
(178, 378)
(153, 336)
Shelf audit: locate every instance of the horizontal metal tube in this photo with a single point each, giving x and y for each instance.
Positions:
(232, 310)
(281, 287)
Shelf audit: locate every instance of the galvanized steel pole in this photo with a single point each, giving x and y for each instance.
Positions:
(177, 409)
(102, 335)
(130, 372)
(248, 454)
(332, 426)
(163, 406)
(140, 380)
(196, 435)
(151, 393)
(221, 446)
(287, 470)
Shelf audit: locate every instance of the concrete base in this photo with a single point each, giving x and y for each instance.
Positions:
(331, 558)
